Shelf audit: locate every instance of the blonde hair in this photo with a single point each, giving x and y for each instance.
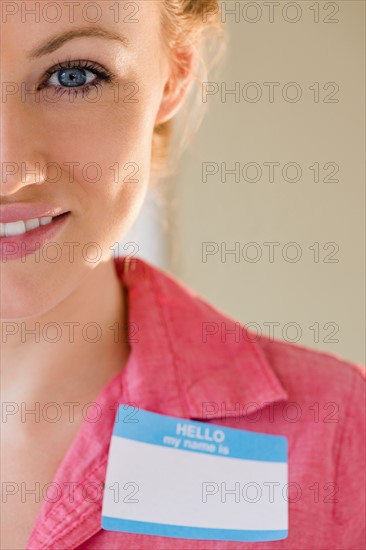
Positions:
(187, 24)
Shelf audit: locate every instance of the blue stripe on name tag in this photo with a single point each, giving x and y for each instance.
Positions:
(199, 533)
(156, 429)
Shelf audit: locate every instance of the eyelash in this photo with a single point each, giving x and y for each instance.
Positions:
(103, 76)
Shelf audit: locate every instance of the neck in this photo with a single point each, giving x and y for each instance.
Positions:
(72, 351)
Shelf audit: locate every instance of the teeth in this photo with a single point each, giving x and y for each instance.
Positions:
(13, 229)
(32, 224)
(45, 220)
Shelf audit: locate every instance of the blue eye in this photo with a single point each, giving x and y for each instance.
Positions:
(75, 75)
(71, 78)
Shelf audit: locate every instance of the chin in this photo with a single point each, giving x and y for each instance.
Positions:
(32, 292)
(21, 305)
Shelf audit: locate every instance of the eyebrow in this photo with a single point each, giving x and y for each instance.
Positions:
(53, 44)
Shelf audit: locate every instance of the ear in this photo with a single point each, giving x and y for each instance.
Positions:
(178, 84)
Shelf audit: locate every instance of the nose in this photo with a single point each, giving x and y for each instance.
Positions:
(22, 161)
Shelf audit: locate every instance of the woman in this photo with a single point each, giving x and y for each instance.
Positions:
(88, 99)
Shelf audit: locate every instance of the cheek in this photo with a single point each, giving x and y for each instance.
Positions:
(105, 152)
(102, 136)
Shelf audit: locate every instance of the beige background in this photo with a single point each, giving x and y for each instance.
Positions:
(327, 296)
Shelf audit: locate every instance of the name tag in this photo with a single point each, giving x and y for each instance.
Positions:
(174, 477)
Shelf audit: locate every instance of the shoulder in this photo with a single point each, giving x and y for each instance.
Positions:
(193, 321)
(314, 371)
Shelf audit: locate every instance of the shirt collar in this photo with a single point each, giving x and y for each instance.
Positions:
(191, 360)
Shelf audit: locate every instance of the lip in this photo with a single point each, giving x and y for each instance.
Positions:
(31, 242)
(27, 211)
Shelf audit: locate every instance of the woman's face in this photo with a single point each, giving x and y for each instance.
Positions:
(76, 139)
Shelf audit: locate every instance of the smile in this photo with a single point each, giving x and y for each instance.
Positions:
(14, 229)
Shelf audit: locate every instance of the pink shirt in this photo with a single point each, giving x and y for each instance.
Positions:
(232, 379)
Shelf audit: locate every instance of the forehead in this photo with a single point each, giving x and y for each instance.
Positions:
(25, 25)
